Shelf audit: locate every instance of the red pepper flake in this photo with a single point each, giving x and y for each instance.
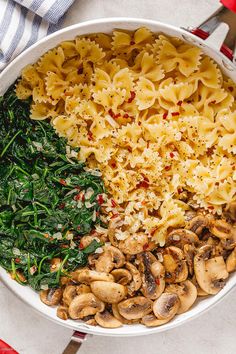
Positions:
(142, 184)
(114, 216)
(129, 149)
(126, 115)
(139, 123)
(153, 231)
(63, 182)
(113, 115)
(165, 115)
(132, 96)
(90, 136)
(83, 198)
(179, 103)
(172, 154)
(175, 114)
(100, 199)
(81, 246)
(62, 206)
(132, 42)
(77, 197)
(157, 281)
(143, 202)
(230, 88)
(211, 207)
(78, 227)
(68, 94)
(167, 168)
(145, 246)
(113, 164)
(17, 260)
(113, 203)
(179, 190)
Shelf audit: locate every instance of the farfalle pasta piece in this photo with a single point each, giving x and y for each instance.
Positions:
(73, 96)
(88, 50)
(175, 94)
(66, 127)
(81, 75)
(228, 139)
(88, 109)
(223, 194)
(146, 66)
(51, 61)
(42, 110)
(23, 90)
(145, 93)
(110, 98)
(55, 86)
(185, 57)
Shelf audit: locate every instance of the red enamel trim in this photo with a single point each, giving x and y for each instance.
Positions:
(230, 4)
(6, 349)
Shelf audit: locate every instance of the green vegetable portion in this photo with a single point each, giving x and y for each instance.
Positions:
(47, 199)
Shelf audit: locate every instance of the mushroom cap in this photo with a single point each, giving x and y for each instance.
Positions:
(151, 321)
(111, 258)
(134, 243)
(69, 293)
(166, 306)
(231, 210)
(109, 291)
(86, 276)
(197, 224)
(106, 320)
(84, 305)
(181, 237)
(51, 297)
(83, 289)
(122, 276)
(187, 293)
(220, 228)
(209, 272)
(135, 307)
(62, 312)
(231, 261)
(175, 265)
(136, 283)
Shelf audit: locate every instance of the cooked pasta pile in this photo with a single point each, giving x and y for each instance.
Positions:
(154, 114)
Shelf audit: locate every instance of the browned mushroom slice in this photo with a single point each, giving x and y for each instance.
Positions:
(200, 292)
(106, 320)
(181, 237)
(84, 305)
(69, 293)
(151, 321)
(135, 307)
(111, 258)
(136, 279)
(189, 253)
(231, 261)
(83, 289)
(62, 312)
(87, 276)
(187, 293)
(197, 224)
(122, 276)
(108, 291)
(231, 210)
(175, 265)
(220, 229)
(166, 306)
(210, 272)
(153, 272)
(51, 297)
(134, 244)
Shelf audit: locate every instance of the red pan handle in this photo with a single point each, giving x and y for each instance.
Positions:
(230, 4)
(6, 349)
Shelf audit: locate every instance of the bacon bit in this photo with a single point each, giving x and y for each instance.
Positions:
(100, 199)
(132, 42)
(213, 102)
(80, 71)
(17, 260)
(167, 168)
(210, 207)
(81, 246)
(90, 136)
(126, 115)
(172, 154)
(175, 114)
(145, 246)
(230, 88)
(157, 281)
(77, 197)
(132, 96)
(62, 206)
(179, 103)
(63, 182)
(114, 216)
(113, 203)
(165, 115)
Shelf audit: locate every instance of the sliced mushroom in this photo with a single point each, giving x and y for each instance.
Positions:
(197, 224)
(55, 264)
(134, 244)
(231, 210)
(136, 282)
(84, 305)
(122, 276)
(230, 242)
(220, 229)
(210, 273)
(111, 258)
(117, 315)
(151, 321)
(51, 297)
(62, 312)
(135, 308)
(200, 292)
(106, 320)
(231, 261)
(108, 291)
(181, 237)
(87, 276)
(175, 265)
(69, 293)
(189, 253)
(83, 289)
(153, 272)
(86, 240)
(187, 293)
(166, 306)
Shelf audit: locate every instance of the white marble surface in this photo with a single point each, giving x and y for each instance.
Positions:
(213, 332)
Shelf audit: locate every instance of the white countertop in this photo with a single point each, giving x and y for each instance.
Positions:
(211, 333)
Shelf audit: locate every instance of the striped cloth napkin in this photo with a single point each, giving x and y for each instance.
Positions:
(23, 22)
